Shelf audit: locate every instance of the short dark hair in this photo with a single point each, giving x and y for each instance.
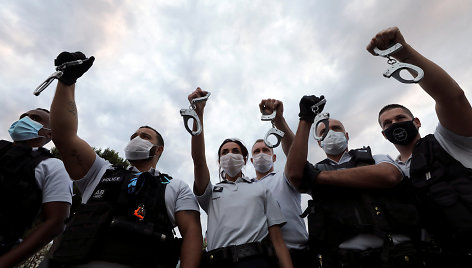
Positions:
(160, 140)
(42, 109)
(394, 106)
(261, 140)
(244, 150)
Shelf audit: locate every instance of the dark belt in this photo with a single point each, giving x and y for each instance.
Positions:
(236, 253)
(401, 255)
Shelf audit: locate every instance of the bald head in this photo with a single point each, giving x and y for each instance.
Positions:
(334, 125)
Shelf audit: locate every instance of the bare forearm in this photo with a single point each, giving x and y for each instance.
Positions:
(201, 172)
(288, 136)
(382, 175)
(192, 244)
(297, 155)
(191, 249)
(452, 106)
(42, 235)
(280, 249)
(64, 121)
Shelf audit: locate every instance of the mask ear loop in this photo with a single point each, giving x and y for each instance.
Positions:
(279, 134)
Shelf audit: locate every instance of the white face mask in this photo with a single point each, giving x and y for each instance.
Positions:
(138, 149)
(334, 143)
(262, 162)
(232, 164)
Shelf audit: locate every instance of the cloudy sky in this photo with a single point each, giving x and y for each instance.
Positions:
(151, 54)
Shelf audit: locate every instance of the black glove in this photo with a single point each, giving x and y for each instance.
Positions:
(306, 113)
(71, 73)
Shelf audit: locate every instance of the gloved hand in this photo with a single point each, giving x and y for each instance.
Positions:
(306, 113)
(71, 73)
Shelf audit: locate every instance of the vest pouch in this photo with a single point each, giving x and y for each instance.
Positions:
(80, 238)
(402, 217)
(403, 255)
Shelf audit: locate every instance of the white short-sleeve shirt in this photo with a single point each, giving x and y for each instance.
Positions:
(294, 231)
(54, 181)
(238, 212)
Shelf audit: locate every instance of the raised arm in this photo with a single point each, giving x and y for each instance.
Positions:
(297, 155)
(269, 105)
(76, 154)
(452, 107)
(200, 167)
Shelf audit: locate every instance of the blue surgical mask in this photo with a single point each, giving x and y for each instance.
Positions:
(25, 129)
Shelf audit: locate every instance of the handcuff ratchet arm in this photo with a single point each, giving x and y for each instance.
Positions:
(324, 119)
(315, 108)
(395, 69)
(190, 113)
(279, 134)
(47, 82)
(396, 66)
(56, 75)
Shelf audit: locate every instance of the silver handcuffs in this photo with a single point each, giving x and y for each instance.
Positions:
(190, 113)
(279, 134)
(322, 118)
(56, 75)
(397, 66)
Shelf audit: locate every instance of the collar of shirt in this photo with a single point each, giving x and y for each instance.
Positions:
(344, 158)
(399, 159)
(267, 175)
(153, 171)
(238, 180)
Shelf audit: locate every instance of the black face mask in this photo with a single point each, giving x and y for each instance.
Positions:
(401, 133)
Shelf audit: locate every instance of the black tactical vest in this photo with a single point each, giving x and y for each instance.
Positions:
(20, 195)
(124, 221)
(339, 213)
(444, 189)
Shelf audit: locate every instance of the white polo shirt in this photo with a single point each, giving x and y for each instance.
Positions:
(238, 212)
(294, 231)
